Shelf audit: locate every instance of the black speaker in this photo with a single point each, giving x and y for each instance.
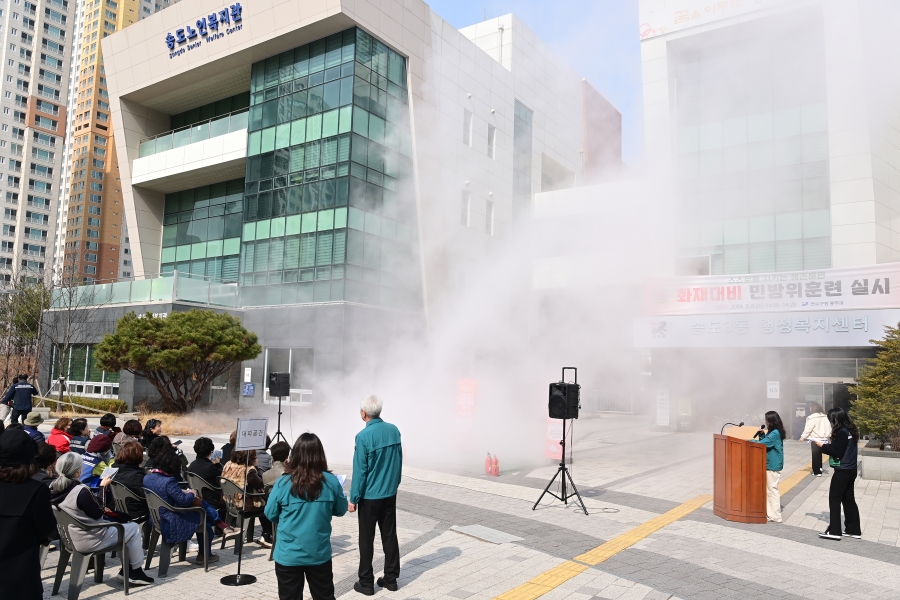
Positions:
(279, 384)
(564, 400)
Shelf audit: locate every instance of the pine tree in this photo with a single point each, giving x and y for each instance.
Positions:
(877, 408)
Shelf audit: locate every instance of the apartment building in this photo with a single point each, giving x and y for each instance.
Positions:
(36, 38)
(92, 244)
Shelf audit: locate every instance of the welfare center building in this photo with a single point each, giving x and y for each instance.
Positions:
(773, 143)
(328, 173)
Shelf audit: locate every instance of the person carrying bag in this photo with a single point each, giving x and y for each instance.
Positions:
(817, 428)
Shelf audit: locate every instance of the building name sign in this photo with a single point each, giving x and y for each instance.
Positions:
(831, 289)
(209, 28)
(791, 330)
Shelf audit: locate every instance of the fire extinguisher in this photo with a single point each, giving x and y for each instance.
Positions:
(495, 467)
(487, 464)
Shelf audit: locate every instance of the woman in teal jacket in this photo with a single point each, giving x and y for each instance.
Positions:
(772, 435)
(301, 506)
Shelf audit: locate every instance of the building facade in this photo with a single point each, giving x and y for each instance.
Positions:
(37, 40)
(776, 121)
(330, 176)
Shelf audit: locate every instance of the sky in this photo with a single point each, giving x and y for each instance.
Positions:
(597, 38)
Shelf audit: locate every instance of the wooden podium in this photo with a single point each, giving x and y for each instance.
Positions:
(739, 476)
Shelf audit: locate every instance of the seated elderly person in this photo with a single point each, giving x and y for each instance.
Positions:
(179, 527)
(131, 475)
(280, 452)
(209, 468)
(131, 431)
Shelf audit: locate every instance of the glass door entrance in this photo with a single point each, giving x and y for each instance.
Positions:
(827, 394)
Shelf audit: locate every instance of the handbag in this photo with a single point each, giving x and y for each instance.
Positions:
(834, 462)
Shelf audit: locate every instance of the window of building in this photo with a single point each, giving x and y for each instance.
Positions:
(492, 142)
(467, 127)
(489, 218)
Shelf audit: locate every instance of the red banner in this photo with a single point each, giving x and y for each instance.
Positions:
(552, 449)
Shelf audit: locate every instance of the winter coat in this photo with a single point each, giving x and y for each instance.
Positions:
(60, 440)
(176, 527)
(26, 521)
(817, 426)
(132, 477)
(237, 473)
(33, 433)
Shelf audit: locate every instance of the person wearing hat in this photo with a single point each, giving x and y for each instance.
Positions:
(26, 519)
(19, 397)
(32, 421)
(96, 459)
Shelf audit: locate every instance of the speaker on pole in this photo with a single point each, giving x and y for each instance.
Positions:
(279, 384)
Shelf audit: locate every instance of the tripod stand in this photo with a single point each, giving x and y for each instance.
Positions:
(563, 473)
(278, 433)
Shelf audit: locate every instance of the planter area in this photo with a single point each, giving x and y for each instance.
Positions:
(879, 465)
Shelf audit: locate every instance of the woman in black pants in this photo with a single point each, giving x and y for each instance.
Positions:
(844, 437)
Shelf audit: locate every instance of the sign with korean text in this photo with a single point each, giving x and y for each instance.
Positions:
(251, 434)
(663, 409)
(773, 390)
(207, 28)
(658, 17)
(876, 286)
(818, 329)
(248, 390)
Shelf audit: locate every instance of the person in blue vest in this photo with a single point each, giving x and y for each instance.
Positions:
(19, 397)
(377, 464)
(32, 421)
(772, 435)
(301, 505)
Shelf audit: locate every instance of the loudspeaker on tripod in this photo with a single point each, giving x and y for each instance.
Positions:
(564, 400)
(279, 384)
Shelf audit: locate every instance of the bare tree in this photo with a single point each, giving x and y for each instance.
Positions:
(73, 316)
(23, 299)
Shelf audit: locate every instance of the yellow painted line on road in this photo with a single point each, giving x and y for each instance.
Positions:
(630, 538)
(544, 582)
(794, 478)
(558, 575)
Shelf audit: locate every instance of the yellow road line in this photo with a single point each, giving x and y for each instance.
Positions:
(630, 538)
(794, 478)
(558, 575)
(544, 582)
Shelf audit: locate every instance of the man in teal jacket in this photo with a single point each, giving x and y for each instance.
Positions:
(377, 462)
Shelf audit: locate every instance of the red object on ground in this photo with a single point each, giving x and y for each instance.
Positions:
(487, 464)
(495, 467)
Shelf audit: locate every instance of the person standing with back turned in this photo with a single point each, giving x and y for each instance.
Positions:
(817, 428)
(377, 464)
(19, 397)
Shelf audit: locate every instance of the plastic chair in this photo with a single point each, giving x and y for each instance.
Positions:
(155, 503)
(239, 516)
(121, 495)
(201, 486)
(80, 560)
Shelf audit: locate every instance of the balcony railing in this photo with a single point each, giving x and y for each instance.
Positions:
(55, 79)
(174, 287)
(36, 221)
(9, 217)
(53, 65)
(197, 132)
(39, 205)
(40, 173)
(34, 252)
(35, 188)
(59, 51)
(49, 94)
(59, 4)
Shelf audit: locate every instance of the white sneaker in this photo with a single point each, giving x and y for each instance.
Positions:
(827, 536)
(193, 547)
(818, 474)
(852, 535)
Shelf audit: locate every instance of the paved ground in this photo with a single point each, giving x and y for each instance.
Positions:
(629, 477)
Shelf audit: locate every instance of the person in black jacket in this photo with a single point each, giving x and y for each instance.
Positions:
(19, 397)
(844, 437)
(45, 459)
(210, 469)
(26, 519)
(131, 475)
(152, 430)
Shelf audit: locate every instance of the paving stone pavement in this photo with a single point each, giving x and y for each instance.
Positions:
(627, 476)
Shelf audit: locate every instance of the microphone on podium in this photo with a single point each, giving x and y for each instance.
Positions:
(721, 431)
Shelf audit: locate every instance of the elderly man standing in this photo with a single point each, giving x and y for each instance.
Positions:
(377, 462)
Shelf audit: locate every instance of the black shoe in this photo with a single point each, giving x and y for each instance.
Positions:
(386, 585)
(136, 577)
(364, 591)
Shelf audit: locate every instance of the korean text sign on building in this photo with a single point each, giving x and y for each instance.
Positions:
(868, 287)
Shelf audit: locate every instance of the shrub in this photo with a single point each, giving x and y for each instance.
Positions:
(103, 404)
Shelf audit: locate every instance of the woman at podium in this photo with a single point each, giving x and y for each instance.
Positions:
(772, 436)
